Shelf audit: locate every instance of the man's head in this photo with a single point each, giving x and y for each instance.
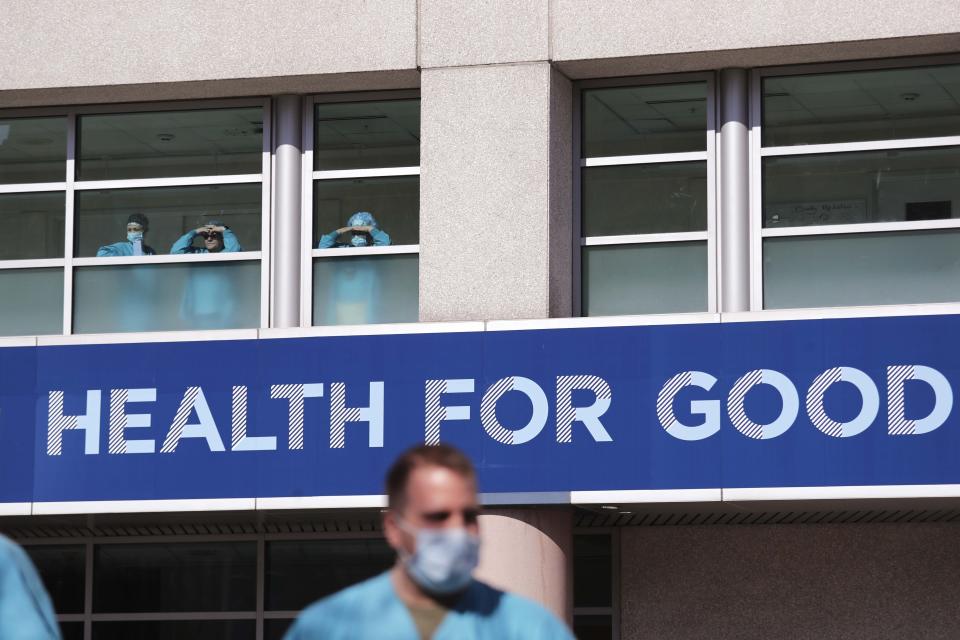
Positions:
(137, 225)
(431, 520)
(213, 236)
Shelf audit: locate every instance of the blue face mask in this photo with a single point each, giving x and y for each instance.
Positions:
(444, 559)
(358, 240)
(135, 236)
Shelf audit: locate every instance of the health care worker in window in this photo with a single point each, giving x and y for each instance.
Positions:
(137, 227)
(208, 298)
(354, 294)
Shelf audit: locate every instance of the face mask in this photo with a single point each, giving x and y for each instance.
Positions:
(444, 559)
(358, 240)
(135, 236)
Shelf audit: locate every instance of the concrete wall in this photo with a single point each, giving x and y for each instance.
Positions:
(59, 52)
(790, 581)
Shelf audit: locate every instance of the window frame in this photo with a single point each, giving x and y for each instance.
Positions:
(70, 186)
(308, 176)
(758, 152)
(710, 155)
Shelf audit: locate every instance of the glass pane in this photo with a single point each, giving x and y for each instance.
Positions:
(71, 630)
(61, 567)
(644, 198)
(861, 105)
(861, 269)
(301, 571)
(644, 278)
(218, 576)
(163, 144)
(33, 150)
(361, 290)
(176, 630)
(592, 571)
(31, 225)
(274, 629)
(31, 302)
(170, 212)
(393, 202)
(872, 186)
(167, 297)
(593, 627)
(366, 135)
(628, 121)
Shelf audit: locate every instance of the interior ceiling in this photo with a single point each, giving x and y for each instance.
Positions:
(871, 94)
(628, 111)
(373, 124)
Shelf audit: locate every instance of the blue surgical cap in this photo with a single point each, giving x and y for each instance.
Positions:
(362, 219)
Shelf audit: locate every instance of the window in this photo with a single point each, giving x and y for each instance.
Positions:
(859, 186)
(73, 183)
(362, 167)
(595, 592)
(221, 587)
(646, 203)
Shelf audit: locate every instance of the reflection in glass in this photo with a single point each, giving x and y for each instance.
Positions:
(627, 121)
(861, 269)
(61, 567)
(163, 144)
(176, 630)
(31, 302)
(644, 278)
(593, 627)
(101, 216)
(71, 630)
(33, 150)
(31, 225)
(276, 628)
(167, 297)
(365, 290)
(301, 571)
(644, 198)
(367, 135)
(882, 104)
(394, 202)
(180, 576)
(592, 571)
(870, 186)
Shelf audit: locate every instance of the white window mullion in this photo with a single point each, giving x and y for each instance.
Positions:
(69, 224)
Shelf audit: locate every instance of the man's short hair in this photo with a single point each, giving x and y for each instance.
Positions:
(438, 455)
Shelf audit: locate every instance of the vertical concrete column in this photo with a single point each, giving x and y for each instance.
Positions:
(495, 192)
(286, 211)
(530, 552)
(734, 191)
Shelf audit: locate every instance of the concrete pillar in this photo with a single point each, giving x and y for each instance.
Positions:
(285, 298)
(495, 192)
(734, 211)
(530, 552)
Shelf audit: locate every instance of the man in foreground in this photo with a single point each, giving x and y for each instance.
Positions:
(430, 594)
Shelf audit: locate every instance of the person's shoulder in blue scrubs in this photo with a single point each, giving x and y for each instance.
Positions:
(25, 609)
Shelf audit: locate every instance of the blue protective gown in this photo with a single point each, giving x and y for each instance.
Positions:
(209, 301)
(121, 249)
(25, 609)
(372, 610)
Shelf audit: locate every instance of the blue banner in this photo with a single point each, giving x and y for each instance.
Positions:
(845, 402)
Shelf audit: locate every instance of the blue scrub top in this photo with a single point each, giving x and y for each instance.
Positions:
(25, 609)
(372, 610)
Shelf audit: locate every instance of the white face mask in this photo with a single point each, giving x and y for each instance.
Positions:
(443, 560)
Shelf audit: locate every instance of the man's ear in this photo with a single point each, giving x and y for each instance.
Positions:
(391, 530)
